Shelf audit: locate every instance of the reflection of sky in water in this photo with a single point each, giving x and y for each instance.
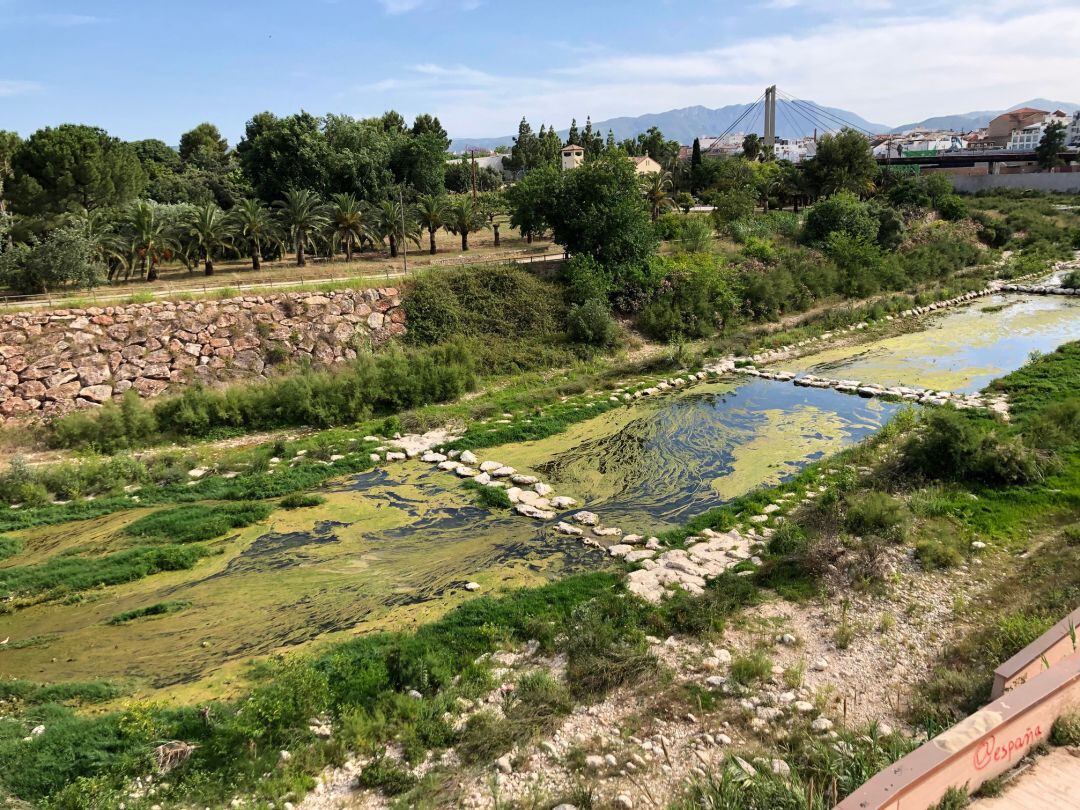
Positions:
(674, 461)
(962, 350)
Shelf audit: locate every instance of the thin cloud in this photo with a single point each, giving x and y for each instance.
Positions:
(400, 6)
(15, 87)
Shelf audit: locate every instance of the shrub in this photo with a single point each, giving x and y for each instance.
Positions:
(387, 776)
(604, 649)
(591, 324)
(697, 297)
(9, 547)
(301, 500)
(488, 497)
(1066, 730)
(939, 552)
(696, 234)
(788, 539)
(111, 428)
(1072, 280)
(951, 208)
(876, 513)
(841, 213)
(760, 249)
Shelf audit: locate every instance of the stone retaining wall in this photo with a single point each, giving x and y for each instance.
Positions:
(54, 362)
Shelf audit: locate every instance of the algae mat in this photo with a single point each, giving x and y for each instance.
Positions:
(658, 463)
(388, 550)
(960, 350)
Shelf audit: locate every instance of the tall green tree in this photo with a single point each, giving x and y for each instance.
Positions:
(528, 201)
(844, 162)
(348, 222)
(598, 210)
(574, 135)
(1051, 145)
(302, 216)
(463, 216)
(426, 124)
(282, 154)
(255, 225)
(751, 146)
(70, 168)
(203, 146)
(431, 211)
(524, 152)
(212, 231)
(9, 143)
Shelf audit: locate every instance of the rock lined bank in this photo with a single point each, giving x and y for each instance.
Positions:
(58, 361)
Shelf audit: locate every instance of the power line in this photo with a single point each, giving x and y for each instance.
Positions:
(735, 123)
(821, 111)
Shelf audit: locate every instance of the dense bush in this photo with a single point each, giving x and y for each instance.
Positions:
(484, 301)
(844, 213)
(954, 445)
(392, 381)
(698, 296)
(591, 324)
(876, 513)
(63, 259)
(1072, 280)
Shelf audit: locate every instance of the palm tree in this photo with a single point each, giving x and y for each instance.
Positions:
(211, 229)
(658, 192)
(431, 210)
(392, 224)
(463, 217)
(301, 214)
(348, 222)
(254, 223)
(150, 234)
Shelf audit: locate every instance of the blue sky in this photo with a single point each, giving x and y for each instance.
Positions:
(154, 69)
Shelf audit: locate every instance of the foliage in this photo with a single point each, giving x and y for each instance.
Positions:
(488, 497)
(487, 301)
(1052, 143)
(590, 323)
(71, 168)
(843, 162)
(876, 513)
(697, 296)
(387, 383)
(841, 213)
(301, 500)
(196, 522)
(63, 259)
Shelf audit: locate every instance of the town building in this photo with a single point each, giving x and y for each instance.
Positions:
(645, 165)
(572, 156)
(1025, 139)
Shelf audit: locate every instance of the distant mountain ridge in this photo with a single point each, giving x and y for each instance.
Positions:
(687, 123)
(965, 122)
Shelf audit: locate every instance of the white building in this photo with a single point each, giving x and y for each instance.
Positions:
(572, 156)
(1072, 137)
(920, 143)
(1025, 139)
(795, 150)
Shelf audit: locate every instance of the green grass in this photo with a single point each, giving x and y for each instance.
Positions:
(157, 609)
(28, 693)
(67, 574)
(197, 522)
(301, 500)
(9, 547)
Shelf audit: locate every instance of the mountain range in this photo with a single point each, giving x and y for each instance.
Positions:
(794, 120)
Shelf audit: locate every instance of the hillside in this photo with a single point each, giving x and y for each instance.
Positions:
(965, 122)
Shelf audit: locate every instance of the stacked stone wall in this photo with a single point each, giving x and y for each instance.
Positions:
(56, 361)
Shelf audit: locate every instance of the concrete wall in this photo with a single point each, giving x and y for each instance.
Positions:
(1064, 182)
(55, 361)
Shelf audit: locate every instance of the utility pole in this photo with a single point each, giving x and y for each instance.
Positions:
(404, 241)
(472, 154)
(770, 117)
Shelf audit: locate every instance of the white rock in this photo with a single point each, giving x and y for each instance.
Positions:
(803, 706)
(393, 455)
(594, 762)
(524, 480)
(284, 756)
(504, 472)
(567, 529)
(482, 478)
(449, 466)
(468, 457)
(586, 518)
(472, 586)
(198, 472)
(542, 489)
(623, 802)
(504, 765)
(563, 502)
(490, 466)
(820, 665)
(822, 724)
(780, 768)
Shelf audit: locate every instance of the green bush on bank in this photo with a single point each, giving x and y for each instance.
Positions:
(197, 522)
(389, 382)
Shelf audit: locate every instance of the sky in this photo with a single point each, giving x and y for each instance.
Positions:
(146, 68)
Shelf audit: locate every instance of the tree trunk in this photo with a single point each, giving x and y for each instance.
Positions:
(393, 247)
(431, 241)
(348, 249)
(528, 237)
(208, 265)
(464, 240)
(151, 274)
(256, 259)
(301, 259)
(495, 228)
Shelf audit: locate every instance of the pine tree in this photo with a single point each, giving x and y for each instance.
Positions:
(573, 137)
(610, 145)
(695, 157)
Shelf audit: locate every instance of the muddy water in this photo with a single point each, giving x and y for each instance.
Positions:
(959, 350)
(659, 463)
